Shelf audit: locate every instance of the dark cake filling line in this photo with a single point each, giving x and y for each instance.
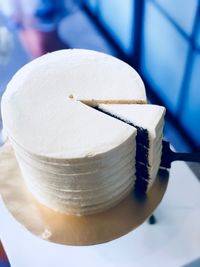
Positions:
(142, 147)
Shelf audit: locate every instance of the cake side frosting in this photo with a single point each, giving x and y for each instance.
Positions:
(81, 193)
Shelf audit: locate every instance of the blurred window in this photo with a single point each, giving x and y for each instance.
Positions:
(117, 15)
(197, 36)
(92, 5)
(181, 11)
(190, 115)
(164, 54)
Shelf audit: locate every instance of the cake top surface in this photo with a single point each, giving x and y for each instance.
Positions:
(80, 74)
(147, 116)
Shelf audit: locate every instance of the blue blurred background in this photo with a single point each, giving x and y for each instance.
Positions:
(159, 38)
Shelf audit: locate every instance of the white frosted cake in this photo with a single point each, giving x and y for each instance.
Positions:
(74, 158)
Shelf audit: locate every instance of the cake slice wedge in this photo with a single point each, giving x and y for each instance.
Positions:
(149, 121)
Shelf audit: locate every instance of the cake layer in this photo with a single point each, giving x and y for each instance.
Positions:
(59, 205)
(148, 118)
(83, 193)
(72, 191)
(71, 170)
(81, 164)
(94, 177)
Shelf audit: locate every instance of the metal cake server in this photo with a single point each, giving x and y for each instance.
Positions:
(168, 156)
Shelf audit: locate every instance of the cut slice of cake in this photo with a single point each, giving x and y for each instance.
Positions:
(149, 121)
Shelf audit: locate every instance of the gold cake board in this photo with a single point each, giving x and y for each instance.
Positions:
(73, 230)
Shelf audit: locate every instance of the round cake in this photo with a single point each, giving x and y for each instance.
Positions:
(75, 158)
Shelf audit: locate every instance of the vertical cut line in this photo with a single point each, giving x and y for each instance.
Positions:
(142, 156)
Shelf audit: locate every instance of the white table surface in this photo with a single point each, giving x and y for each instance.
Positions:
(173, 241)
